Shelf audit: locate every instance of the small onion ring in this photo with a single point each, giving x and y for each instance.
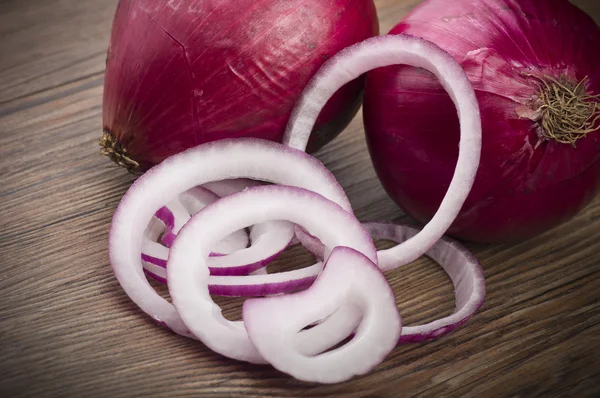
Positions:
(231, 256)
(348, 279)
(461, 266)
(188, 280)
(388, 50)
(256, 159)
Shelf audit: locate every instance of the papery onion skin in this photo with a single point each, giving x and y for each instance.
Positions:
(183, 73)
(525, 184)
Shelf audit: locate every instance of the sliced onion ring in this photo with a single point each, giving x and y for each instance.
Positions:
(265, 284)
(229, 187)
(452, 256)
(188, 280)
(268, 241)
(169, 219)
(230, 256)
(236, 286)
(256, 159)
(388, 50)
(178, 211)
(349, 278)
(198, 198)
(461, 266)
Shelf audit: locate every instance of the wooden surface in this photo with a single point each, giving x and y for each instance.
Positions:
(67, 328)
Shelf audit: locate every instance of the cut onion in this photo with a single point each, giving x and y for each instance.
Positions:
(256, 159)
(198, 198)
(382, 51)
(258, 283)
(188, 280)
(463, 269)
(461, 266)
(229, 187)
(242, 286)
(174, 221)
(264, 284)
(231, 256)
(269, 240)
(178, 211)
(152, 251)
(349, 278)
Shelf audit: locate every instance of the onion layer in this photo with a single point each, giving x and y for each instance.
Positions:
(461, 266)
(188, 281)
(256, 159)
(390, 50)
(349, 278)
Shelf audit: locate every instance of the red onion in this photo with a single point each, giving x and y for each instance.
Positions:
(188, 280)
(534, 67)
(231, 256)
(181, 73)
(391, 50)
(349, 278)
(461, 266)
(258, 159)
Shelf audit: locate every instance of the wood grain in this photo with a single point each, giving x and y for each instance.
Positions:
(67, 328)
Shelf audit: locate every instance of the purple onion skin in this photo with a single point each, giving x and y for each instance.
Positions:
(182, 73)
(525, 185)
(261, 290)
(432, 335)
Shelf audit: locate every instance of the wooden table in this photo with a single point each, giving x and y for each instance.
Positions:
(68, 329)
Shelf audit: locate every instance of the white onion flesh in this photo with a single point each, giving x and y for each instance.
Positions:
(255, 159)
(462, 267)
(388, 50)
(349, 278)
(188, 280)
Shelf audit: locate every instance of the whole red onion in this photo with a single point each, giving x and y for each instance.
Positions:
(535, 68)
(184, 72)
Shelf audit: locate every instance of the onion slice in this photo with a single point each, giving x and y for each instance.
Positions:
(349, 278)
(229, 187)
(268, 241)
(388, 50)
(256, 159)
(197, 199)
(461, 266)
(230, 256)
(264, 284)
(188, 280)
(241, 286)
(178, 211)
